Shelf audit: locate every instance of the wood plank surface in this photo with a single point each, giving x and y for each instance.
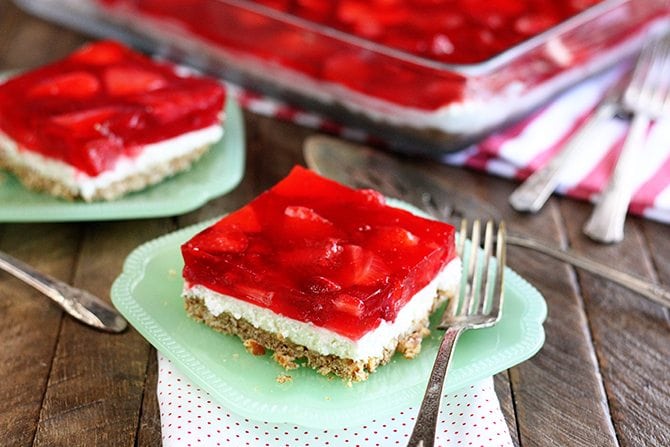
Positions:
(601, 378)
(630, 335)
(30, 324)
(97, 381)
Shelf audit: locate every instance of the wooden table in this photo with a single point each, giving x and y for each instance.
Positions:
(601, 379)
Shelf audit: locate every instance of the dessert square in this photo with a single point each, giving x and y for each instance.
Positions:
(321, 274)
(105, 121)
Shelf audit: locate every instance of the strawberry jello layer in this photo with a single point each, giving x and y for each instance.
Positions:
(104, 121)
(313, 269)
(441, 72)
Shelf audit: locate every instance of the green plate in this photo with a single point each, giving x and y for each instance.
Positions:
(216, 173)
(148, 291)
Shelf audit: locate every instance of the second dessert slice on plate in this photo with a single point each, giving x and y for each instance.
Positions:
(106, 121)
(315, 270)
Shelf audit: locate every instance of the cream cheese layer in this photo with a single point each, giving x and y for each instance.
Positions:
(327, 342)
(151, 155)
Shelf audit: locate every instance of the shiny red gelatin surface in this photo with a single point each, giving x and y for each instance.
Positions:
(419, 54)
(319, 252)
(450, 31)
(103, 102)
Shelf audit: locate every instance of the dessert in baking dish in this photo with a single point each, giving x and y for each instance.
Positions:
(442, 72)
(315, 270)
(105, 121)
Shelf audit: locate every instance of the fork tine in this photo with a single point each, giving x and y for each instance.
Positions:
(646, 59)
(663, 86)
(654, 85)
(462, 236)
(486, 288)
(473, 272)
(501, 256)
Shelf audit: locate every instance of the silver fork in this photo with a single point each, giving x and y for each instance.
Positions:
(479, 305)
(647, 97)
(534, 192)
(82, 305)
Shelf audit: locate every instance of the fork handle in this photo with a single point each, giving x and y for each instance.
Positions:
(643, 286)
(423, 434)
(533, 193)
(80, 304)
(606, 223)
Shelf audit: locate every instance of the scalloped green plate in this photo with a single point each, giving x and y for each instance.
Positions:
(215, 174)
(148, 291)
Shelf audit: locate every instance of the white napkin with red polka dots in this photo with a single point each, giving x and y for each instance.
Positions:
(190, 418)
(517, 151)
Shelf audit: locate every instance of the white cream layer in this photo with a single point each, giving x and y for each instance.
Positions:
(152, 155)
(328, 342)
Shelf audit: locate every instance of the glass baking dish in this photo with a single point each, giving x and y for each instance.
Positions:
(420, 104)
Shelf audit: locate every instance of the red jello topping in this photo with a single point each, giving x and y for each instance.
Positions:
(435, 31)
(319, 252)
(103, 102)
(451, 31)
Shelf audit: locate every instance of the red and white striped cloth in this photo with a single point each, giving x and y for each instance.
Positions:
(520, 149)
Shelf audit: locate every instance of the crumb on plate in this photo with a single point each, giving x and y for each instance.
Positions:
(254, 347)
(284, 378)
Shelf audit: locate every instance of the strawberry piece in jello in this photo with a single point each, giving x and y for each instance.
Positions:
(102, 103)
(319, 252)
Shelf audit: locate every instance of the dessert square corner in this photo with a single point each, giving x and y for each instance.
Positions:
(321, 274)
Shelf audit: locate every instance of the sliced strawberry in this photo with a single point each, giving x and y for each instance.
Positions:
(348, 304)
(281, 5)
(87, 122)
(300, 50)
(100, 53)
(480, 9)
(319, 285)
(433, 20)
(391, 12)
(315, 9)
(99, 155)
(361, 17)
(305, 223)
(257, 295)
(227, 240)
(305, 214)
(172, 104)
(132, 80)
(394, 82)
(75, 85)
(245, 219)
(439, 92)
(315, 258)
(389, 238)
(373, 197)
(531, 24)
(352, 69)
(406, 40)
(362, 267)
